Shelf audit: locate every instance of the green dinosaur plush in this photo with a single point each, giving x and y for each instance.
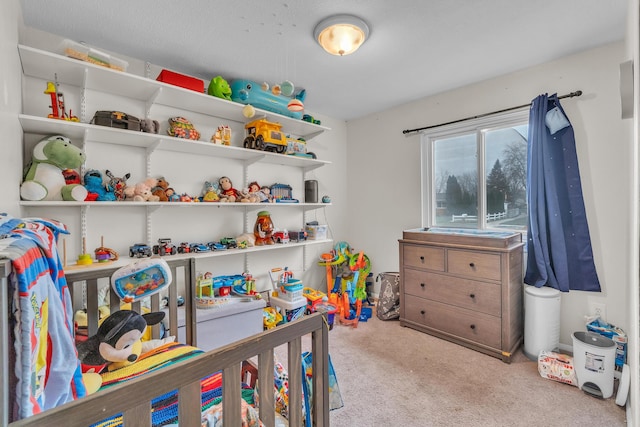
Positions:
(43, 179)
(220, 88)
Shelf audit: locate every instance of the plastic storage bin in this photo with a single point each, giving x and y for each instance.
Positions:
(290, 310)
(291, 291)
(316, 232)
(85, 53)
(594, 361)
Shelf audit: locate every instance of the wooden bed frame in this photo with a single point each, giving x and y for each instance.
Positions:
(133, 398)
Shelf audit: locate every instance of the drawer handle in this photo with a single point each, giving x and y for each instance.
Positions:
(422, 285)
(472, 326)
(422, 311)
(472, 265)
(472, 296)
(422, 259)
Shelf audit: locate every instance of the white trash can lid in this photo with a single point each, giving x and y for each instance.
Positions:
(543, 292)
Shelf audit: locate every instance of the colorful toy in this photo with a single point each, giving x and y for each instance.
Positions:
(180, 127)
(227, 192)
(199, 247)
(250, 92)
(104, 254)
(281, 236)
(117, 184)
(160, 189)
(219, 88)
(98, 190)
(229, 242)
(164, 247)
(84, 258)
(222, 135)
(211, 192)
(184, 248)
(138, 250)
(271, 317)
(58, 110)
(118, 341)
(263, 229)
(141, 279)
(141, 192)
(283, 193)
(44, 179)
(265, 135)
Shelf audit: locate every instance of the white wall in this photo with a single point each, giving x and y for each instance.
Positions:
(384, 167)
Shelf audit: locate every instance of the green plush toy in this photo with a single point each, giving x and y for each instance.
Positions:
(220, 88)
(43, 179)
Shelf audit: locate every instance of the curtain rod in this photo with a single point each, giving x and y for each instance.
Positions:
(406, 131)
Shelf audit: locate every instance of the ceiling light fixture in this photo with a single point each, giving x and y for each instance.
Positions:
(341, 34)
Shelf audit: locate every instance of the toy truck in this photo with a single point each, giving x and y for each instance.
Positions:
(265, 135)
(164, 247)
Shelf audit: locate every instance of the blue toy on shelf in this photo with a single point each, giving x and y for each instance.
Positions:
(250, 92)
(141, 279)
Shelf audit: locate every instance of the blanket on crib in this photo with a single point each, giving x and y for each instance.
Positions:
(45, 371)
(165, 408)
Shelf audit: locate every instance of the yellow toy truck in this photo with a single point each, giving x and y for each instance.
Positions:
(265, 135)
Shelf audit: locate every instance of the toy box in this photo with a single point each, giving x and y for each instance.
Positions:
(116, 119)
(291, 291)
(316, 232)
(290, 310)
(181, 80)
(88, 54)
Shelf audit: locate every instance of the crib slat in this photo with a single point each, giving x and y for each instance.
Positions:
(92, 306)
(231, 396)
(320, 369)
(266, 376)
(138, 416)
(295, 381)
(189, 405)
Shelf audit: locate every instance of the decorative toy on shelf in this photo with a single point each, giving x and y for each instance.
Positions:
(98, 190)
(141, 279)
(141, 192)
(222, 135)
(139, 250)
(298, 147)
(57, 106)
(44, 179)
(263, 229)
(251, 92)
(160, 189)
(227, 192)
(219, 88)
(149, 125)
(210, 192)
(310, 119)
(84, 258)
(117, 184)
(164, 247)
(265, 135)
(104, 254)
(180, 127)
(282, 193)
(248, 111)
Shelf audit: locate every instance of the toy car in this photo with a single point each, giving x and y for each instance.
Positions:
(184, 248)
(297, 236)
(229, 242)
(265, 135)
(281, 236)
(139, 250)
(164, 247)
(215, 246)
(199, 247)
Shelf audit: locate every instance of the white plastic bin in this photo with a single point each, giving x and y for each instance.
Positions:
(541, 320)
(594, 361)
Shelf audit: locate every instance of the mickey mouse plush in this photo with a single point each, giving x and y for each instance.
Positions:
(118, 340)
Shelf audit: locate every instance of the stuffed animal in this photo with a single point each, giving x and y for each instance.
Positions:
(141, 192)
(117, 184)
(149, 126)
(220, 88)
(160, 189)
(211, 192)
(180, 127)
(227, 192)
(117, 342)
(95, 186)
(44, 179)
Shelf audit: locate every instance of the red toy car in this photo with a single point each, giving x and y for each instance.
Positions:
(164, 247)
(281, 236)
(184, 248)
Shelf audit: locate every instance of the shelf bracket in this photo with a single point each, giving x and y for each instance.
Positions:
(151, 101)
(150, 150)
(312, 167)
(312, 135)
(83, 223)
(83, 147)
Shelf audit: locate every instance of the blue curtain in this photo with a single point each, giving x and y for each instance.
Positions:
(559, 252)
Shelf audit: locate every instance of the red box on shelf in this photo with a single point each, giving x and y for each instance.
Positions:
(181, 80)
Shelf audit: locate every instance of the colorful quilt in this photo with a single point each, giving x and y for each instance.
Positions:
(47, 368)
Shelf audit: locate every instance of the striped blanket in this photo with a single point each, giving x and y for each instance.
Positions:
(45, 375)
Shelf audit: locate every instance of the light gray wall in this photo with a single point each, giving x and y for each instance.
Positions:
(384, 167)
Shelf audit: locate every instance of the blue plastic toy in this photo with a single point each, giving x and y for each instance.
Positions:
(250, 92)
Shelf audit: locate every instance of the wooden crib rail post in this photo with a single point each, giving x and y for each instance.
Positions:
(320, 369)
(5, 269)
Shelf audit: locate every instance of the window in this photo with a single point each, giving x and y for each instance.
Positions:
(475, 173)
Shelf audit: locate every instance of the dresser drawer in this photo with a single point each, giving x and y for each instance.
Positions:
(466, 293)
(471, 325)
(476, 265)
(423, 257)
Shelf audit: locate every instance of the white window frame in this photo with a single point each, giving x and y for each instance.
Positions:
(480, 126)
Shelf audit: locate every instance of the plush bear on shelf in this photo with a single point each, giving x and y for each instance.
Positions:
(141, 192)
(44, 179)
(160, 189)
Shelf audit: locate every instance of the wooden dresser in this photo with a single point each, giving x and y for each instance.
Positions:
(464, 286)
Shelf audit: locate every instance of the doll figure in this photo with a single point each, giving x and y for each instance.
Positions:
(227, 192)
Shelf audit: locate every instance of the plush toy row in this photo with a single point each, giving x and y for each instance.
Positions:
(52, 175)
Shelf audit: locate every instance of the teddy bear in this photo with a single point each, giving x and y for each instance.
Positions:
(44, 179)
(210, 192)
(141, 192)
(160, 189)
(98, 191)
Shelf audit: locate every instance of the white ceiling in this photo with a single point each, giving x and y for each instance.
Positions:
(416, 48)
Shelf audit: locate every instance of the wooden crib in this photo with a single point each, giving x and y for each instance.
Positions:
(133, 398)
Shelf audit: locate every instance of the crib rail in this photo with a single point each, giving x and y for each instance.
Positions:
(133, 398)
(5, 269)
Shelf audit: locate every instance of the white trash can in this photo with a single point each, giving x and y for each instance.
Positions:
(541, 320)
(594, 359)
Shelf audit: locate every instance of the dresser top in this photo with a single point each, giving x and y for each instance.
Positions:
(463, 236)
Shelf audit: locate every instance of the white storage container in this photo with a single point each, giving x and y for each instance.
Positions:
(541, 320)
